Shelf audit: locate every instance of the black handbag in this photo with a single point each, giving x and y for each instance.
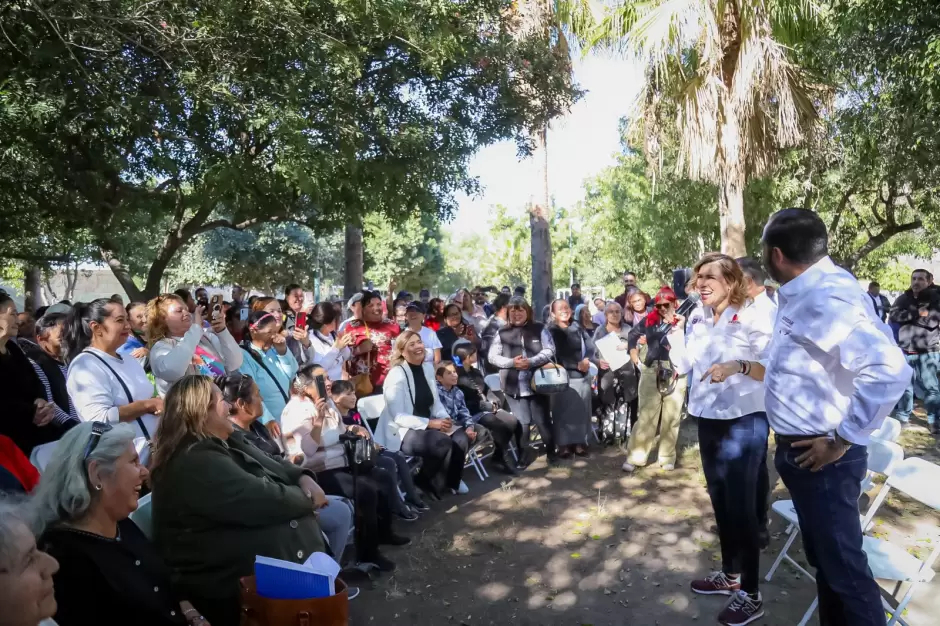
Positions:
(360, 452)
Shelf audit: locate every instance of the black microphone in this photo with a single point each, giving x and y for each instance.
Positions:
(684, 309)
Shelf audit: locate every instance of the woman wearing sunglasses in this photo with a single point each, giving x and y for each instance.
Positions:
(109, 573)
(661, 389)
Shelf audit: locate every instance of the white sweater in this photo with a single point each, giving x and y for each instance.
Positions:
(297, 424)
(173, 358)
(97, 393)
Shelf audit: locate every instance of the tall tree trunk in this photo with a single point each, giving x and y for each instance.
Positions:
(732, 179)
(32, 289)
(352, 281)
(539, 225)
(120, 272)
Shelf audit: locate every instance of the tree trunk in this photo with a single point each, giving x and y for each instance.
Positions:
(539, 213)
(32, 289)
(352, 281)
(120, 272)
(732, 179)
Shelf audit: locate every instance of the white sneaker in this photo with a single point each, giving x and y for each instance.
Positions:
(668, 467)
(628, 467)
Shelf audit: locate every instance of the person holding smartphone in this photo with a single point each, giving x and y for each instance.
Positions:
(180, 344)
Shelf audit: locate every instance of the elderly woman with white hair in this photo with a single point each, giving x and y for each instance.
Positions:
(109, 574)
(26, 572)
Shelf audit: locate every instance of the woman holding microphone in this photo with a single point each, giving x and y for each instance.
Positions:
(722, 344)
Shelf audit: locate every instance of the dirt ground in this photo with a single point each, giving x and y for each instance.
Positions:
(584, 544)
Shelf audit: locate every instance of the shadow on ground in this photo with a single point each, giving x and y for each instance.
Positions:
(583, 543)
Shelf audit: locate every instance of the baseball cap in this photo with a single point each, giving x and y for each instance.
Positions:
(414, 307)
(357, 297)
(403, 294)
(59, 307)
(424, 293)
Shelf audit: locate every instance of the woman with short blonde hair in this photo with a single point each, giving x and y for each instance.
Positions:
(180, 344)
(721, 347)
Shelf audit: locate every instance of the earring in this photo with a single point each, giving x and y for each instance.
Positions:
(97, 487)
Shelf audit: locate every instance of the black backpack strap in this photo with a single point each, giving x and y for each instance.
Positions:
(257, 358)
(127, 391)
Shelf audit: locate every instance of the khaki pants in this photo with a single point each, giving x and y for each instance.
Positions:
(652, 405)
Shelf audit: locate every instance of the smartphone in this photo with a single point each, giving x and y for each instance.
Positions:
(302, 320)
(320, 382)
(215, 306)
(243, 314)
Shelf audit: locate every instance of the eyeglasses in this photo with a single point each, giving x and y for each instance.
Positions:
(663, 305)
(97, 430)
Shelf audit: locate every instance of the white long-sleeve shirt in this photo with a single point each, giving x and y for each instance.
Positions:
(199, 351)
(97, 394)
(323, 353)
(739, 334)
(297, 424)
(830, 367)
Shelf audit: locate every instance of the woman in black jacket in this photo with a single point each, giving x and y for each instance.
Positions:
(571, 409)
(503, 426)
(517, 350)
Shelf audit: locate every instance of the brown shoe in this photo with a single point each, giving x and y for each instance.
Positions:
(716, 584)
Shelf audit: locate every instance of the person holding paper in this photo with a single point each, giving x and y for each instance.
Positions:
(218, 501)
(617, 386)
(722, 344)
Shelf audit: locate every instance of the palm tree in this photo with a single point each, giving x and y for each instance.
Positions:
(557, 22)
(723, 71)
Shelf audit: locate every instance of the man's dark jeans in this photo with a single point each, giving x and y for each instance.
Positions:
(826, 503)
(733, 452)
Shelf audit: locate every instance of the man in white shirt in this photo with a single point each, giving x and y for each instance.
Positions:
(761, 307)
(832, 377)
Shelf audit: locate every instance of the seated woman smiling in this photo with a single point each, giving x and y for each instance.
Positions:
(218, 501)
(414, 420)
(109, 573)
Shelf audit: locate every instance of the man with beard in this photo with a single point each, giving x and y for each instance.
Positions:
(629, 285)
(917, 314)
(832, 376)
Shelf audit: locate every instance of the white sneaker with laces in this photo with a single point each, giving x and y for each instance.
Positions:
(628, 467)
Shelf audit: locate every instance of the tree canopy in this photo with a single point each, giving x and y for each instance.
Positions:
(143, 124)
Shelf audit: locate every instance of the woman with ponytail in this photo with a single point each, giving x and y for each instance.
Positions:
(103, 385)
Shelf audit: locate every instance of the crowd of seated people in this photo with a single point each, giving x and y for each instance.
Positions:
(234, 418)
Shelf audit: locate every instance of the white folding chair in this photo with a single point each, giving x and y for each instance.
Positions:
(143, 516)
(882, 457)
(890, 430)
(918, 479)
(492, 381)
(42, 454)
(370, 408)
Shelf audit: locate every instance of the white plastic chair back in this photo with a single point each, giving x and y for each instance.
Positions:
(371, 407)
(143, 516)
(889, 431)
(42, 454)
(883, 456)
(492, 381)
(919, 479)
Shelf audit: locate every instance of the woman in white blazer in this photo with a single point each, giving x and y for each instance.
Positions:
(415, 422)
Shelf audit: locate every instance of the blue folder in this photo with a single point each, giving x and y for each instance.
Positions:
(283, 580)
